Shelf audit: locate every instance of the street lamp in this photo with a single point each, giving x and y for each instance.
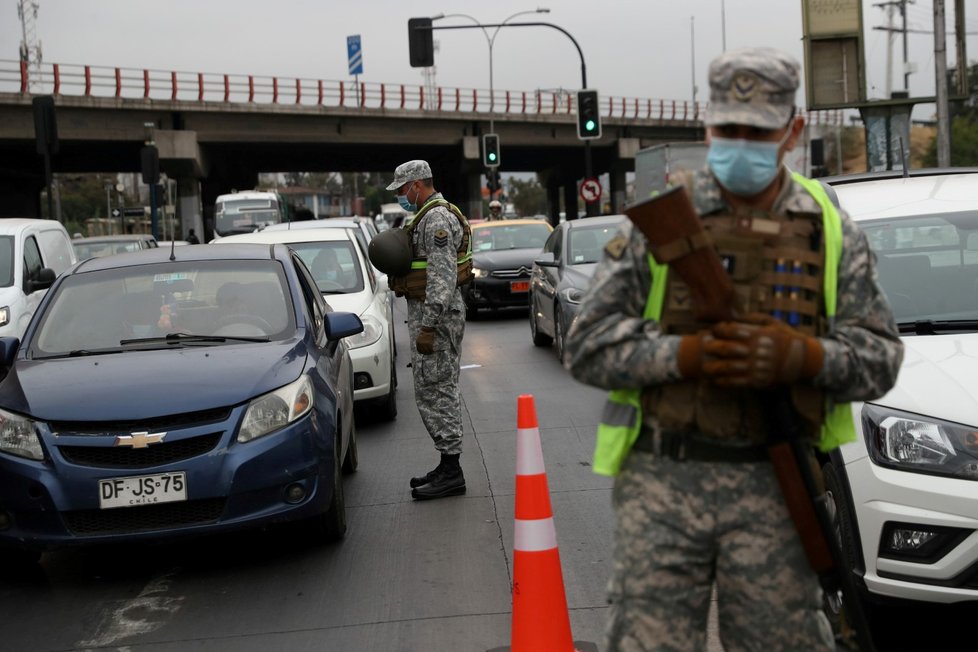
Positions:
(491, 40)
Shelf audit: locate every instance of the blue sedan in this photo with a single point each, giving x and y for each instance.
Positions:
(160, 394)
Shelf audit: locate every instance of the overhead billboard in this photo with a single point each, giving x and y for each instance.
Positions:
(834, 63)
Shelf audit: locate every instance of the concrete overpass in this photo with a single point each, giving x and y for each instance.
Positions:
(217, 132)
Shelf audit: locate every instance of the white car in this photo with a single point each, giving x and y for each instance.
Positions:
(906, 492)
(33, 252)
(339, 264)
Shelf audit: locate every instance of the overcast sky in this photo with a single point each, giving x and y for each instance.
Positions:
(632, 48)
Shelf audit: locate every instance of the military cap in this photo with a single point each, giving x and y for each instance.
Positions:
(410, 171)
(752, 86)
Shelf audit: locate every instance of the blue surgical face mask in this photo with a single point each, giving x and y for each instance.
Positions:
(744, 167)
(406, 205)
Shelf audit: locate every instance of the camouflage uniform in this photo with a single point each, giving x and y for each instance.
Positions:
(436, 376)
(684, 525)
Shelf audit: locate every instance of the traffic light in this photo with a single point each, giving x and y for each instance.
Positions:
(421, 43)
(492, 182)
(490, 150)
(149, 159)
(588, 115)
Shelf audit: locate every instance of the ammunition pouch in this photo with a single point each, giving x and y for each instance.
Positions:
(413, 284)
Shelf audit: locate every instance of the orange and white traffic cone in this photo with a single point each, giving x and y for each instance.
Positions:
(540, 618)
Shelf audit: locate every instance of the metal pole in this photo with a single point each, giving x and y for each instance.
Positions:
(940, 71)
(723, 23)
(692, 54)
(906, 69)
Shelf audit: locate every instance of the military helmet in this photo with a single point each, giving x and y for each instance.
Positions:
(495, 204)
(390, 252)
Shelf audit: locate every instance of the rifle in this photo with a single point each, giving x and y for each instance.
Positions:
(676, 237)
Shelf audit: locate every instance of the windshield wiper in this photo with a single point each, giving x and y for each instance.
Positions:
(78, 353)
(931, 327)
(186, 338)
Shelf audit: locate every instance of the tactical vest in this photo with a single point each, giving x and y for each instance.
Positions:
(413, 284)
(788, 279)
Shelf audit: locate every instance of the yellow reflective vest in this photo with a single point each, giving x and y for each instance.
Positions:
(621, 420)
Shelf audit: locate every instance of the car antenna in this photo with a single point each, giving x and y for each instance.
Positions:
(903, 159)
(173, 246)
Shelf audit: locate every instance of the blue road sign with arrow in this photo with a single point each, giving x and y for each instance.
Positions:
(354, 54)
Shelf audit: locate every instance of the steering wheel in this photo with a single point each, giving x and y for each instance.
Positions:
(240, 318)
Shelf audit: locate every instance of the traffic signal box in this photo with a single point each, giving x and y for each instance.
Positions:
(490, 150)
(588, 115)
(421, 43)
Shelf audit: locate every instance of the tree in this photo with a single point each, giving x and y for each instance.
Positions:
(528, 197)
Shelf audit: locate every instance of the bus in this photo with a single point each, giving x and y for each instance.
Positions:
(245, 211)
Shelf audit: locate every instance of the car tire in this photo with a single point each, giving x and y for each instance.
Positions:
(330, 526)
(558, 335)
(352, 458)
(844, 525)
(539, 339)
(388, 403)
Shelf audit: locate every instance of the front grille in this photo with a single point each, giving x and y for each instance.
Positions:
(522, 272)
(126, 520)
(134, 458)
(168, 422)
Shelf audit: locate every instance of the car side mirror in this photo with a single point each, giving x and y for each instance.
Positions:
(44, 279)
(342, 324)
(546, 260)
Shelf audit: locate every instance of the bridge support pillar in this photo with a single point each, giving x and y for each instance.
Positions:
(189, 213)
(570, 198)
(473, 192)
(553, 200)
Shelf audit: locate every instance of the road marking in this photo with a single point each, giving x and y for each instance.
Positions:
(145, 613)
(470, 366)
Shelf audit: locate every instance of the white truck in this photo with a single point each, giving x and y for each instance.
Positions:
(654, 164)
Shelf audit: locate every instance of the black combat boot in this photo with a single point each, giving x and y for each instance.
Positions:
(417, 481)
(447, 481)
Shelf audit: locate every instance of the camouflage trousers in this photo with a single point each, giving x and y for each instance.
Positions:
(436, 388)
(682, 527)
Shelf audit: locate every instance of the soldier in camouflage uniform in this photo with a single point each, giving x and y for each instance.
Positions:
(698, 505)
(436, 323)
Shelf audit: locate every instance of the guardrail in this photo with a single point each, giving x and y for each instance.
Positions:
(135, 83)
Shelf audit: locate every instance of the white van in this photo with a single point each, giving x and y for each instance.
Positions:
(32, 254)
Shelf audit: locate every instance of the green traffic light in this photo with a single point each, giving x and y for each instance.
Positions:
(492, 156)
(589, 125)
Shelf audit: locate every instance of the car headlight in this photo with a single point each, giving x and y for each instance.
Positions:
(911, 442)
(372, 330)
(4, 315)
(18, 436)
(572, 295)
(479, 272)
(276, 409)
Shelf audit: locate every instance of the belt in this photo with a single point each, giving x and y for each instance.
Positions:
(680, 446)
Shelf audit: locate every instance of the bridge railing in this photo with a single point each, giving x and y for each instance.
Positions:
(136, 83)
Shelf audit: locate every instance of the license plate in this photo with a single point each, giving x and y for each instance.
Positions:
(519, 286)
(142, 490)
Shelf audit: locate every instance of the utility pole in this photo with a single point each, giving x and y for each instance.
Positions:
(940, 72)
(692, 55)
(30, 45)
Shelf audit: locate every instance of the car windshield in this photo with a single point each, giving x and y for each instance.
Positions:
(126, 308)
(586, 244)
(928, 264)
(334, 265)
(509, 236)
(6, 261)
(99, 248)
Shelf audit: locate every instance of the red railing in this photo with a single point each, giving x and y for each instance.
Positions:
(136, 83)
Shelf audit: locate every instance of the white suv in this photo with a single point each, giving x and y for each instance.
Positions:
(32, 254)
(906, 492)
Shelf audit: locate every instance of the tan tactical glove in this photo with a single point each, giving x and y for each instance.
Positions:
(426, 341)
(761, 352)
(692, 355)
